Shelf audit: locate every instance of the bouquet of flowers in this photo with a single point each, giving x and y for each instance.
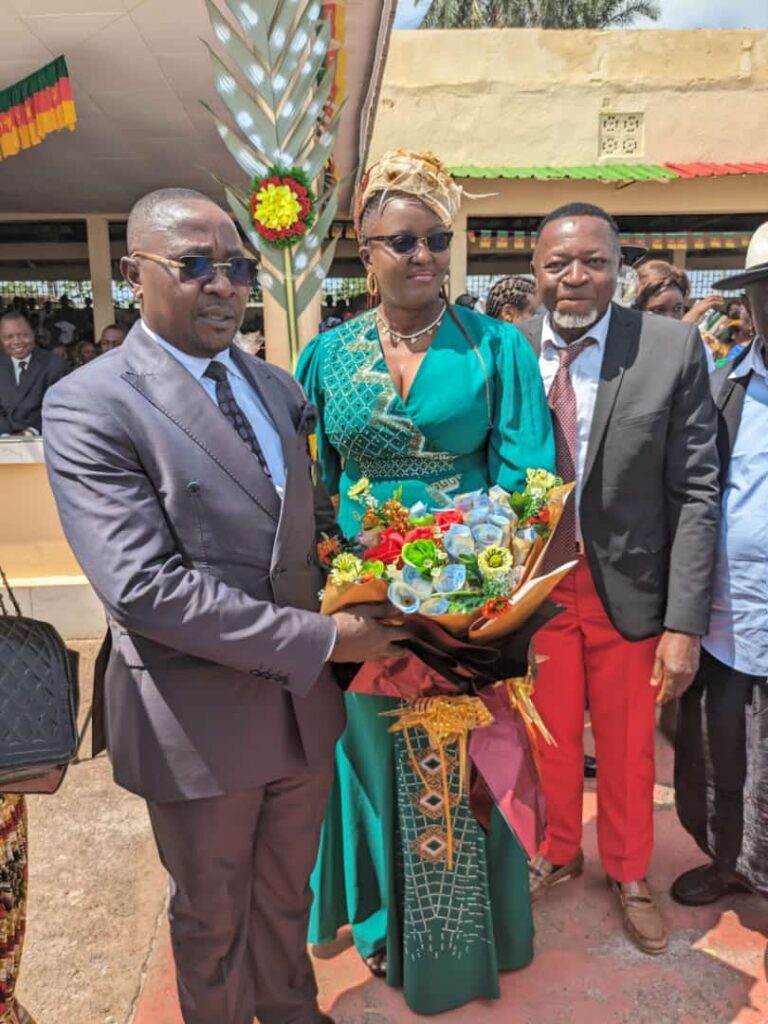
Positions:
(470, 586)
(475, 569)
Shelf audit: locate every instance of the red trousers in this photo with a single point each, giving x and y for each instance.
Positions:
(588, 659)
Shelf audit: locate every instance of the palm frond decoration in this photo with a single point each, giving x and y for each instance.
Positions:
(275, 73)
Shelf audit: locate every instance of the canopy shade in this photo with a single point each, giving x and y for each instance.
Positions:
(139, 71)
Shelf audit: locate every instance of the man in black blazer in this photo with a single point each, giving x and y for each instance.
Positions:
(721, 749)
(635, 428)
(26, 373)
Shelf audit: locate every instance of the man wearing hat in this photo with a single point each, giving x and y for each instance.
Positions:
(721, 753)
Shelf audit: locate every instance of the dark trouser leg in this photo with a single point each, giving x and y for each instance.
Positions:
(207, 848)
(711, 759)
(284, 855)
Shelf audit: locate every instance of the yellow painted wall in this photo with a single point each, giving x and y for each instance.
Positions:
(32, 543)
(524, 97)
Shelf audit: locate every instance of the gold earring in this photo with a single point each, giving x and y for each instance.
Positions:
(371, 284)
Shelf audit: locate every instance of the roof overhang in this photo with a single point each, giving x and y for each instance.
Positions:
(139, 70)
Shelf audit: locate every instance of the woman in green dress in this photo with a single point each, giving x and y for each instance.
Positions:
(441, 400)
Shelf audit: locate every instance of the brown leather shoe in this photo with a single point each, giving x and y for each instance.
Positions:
(543, 874)
(643, 922)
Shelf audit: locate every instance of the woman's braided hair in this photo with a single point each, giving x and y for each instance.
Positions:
(509, 291)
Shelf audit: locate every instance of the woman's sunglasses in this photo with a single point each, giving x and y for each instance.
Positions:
(406, 244)
(240, 270)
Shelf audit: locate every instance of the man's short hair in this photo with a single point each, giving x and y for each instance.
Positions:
(114, 327)
(15, 314)
(580, 210)
(144, 210)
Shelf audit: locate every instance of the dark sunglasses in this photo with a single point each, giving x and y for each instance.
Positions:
(405, 244)
(240, 270)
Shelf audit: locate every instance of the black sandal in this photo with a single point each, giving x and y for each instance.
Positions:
(377, 963)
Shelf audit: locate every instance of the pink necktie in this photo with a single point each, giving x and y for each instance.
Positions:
(562, 404)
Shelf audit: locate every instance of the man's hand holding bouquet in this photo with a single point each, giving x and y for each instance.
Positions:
(470, 590)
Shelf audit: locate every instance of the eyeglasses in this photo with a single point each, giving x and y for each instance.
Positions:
(240, 270)
(406, 244)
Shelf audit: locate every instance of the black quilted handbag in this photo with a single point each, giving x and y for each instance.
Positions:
(38, 703)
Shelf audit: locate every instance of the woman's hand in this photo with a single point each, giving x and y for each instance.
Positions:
(698, 309)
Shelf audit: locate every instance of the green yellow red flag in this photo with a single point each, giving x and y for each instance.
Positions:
(35, 107)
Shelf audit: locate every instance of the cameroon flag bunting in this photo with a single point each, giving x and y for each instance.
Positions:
(35, 107)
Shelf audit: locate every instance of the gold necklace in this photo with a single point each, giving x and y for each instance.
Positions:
(396, 336)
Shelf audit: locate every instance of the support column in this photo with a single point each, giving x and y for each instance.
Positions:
(458, 278)
(679, 258)
(100, 263)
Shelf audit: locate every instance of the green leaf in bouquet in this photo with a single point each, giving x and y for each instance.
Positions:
(374, 568)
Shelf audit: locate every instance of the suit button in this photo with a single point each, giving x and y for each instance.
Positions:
(276, 573)
(309, 558)
(193, 487)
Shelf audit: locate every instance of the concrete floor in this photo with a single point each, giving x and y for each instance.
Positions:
(585, 970)
(97, 947)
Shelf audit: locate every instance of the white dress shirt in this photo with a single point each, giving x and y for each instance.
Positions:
(585, 377)
(738, 628)
(245, 396)
(17, 366)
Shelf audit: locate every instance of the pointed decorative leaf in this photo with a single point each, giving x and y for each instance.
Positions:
(309, 247)
(300, 38)
(306, 78)
(319, 155)
(282, 23)
(245, 155)
(302, 128)
(255, 71)
(314, 279)
(248, 114)
(242, 214)
(254, 17)
(270, 282)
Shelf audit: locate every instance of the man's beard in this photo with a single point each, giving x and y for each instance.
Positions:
(575, 321)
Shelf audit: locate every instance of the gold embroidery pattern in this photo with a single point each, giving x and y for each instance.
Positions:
(368, 422)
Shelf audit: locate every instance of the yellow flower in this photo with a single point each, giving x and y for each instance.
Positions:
(277, 207)
(361, 487)
(346, 568)
(494, 561)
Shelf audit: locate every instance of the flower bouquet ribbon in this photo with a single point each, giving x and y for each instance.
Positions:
(469, 586)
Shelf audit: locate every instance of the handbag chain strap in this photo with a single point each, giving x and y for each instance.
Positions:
(11, 596)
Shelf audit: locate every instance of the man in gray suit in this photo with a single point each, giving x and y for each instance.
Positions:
(182, 469)
(635, 428)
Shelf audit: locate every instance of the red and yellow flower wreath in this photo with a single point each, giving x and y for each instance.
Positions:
(282, 206)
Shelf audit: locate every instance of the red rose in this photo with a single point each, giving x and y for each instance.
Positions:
(420, 533)
(446, 519)
(388, 549)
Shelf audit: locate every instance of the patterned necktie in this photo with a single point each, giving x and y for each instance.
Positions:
(562, 404)
(23, 367)
(226, 401)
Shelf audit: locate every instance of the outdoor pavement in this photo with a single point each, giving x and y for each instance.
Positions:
(98, 950)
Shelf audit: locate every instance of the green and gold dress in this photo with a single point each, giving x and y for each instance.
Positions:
(475, 416)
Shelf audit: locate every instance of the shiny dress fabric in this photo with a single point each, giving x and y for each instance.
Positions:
(13, 904)
(475, 415)
(721, 768)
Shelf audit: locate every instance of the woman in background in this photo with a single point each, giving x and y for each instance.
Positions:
(512, 299)
(441, 400)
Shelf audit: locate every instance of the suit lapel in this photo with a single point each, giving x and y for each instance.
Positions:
(730, 404)
(167, 385)
(620, 348)
(34, 371)
(269, 391)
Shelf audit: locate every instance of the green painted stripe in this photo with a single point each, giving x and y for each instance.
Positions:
(589, 172)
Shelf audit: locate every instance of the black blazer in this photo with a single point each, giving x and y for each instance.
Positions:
(21, 404)
(650, 497)
(729, 399)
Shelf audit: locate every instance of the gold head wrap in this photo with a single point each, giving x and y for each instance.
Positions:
(422, 175)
